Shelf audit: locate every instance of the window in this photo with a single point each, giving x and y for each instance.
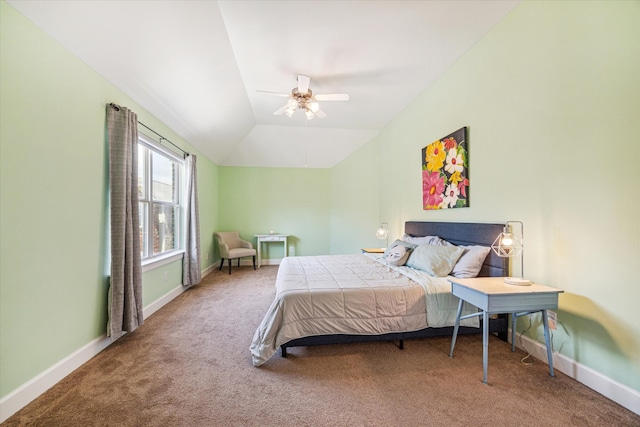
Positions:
(160, 180)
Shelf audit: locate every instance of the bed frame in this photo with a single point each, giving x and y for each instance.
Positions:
(457, 233)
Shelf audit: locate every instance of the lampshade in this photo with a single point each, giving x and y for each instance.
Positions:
(508, 245)
(303, 102)
(292, 104)
(383, 232)
(313, 106)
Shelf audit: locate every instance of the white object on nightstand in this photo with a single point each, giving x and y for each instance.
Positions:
(517, 281)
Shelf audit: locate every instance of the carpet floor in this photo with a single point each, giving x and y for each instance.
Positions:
(189, 365)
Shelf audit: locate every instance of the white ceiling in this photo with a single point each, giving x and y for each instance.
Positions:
(197, 65)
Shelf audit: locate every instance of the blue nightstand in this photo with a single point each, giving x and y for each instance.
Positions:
(492, 296)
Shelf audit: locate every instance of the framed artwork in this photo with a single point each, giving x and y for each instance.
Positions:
(445, 172)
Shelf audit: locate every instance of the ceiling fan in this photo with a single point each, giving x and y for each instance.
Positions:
(301, 97)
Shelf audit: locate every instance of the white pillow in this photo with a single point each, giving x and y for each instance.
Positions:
(435, 260)
(398, 253)
(470, 263)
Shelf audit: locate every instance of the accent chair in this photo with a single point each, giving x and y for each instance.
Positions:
(231, 246)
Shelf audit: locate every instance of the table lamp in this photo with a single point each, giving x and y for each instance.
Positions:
(383, 233)
(507, 245)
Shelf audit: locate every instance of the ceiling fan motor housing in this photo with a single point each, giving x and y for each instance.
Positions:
(302, 98)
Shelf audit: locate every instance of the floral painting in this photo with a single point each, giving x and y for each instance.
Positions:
(445, 172)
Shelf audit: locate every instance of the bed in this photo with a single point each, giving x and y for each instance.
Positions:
(361, 297)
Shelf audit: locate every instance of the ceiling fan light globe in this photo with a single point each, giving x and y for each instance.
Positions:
(313, 106)
(289, 112)
(292, 104)
(310, 115)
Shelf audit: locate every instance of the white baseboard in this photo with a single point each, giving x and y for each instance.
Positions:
(27, 392)
(162, 301)
(275, 261)
(609, 388)
(209, 269)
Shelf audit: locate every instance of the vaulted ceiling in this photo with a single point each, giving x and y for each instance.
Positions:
(198, 66)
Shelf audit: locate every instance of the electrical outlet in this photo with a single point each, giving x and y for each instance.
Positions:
(552, 317)
(207, 256)
(165, 276)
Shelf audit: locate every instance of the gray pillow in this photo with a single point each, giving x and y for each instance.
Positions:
(435, 260)
(398, 253)
(431, 240)
(470, 262)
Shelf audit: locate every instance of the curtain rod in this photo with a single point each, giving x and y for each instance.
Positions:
(117, 108)
(163, 138)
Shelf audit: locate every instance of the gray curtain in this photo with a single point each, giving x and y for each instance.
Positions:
(191, 262)
(125, 292)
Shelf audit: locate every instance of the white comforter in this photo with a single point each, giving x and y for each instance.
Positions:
(351, 294)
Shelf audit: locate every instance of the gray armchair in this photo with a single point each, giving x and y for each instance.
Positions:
(232, 246)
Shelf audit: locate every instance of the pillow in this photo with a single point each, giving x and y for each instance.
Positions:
(397, 253)
(435, 260)
(470, 262)
(430, 240)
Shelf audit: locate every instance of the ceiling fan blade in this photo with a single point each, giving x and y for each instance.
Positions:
(283, 95)
(321, 114)
(281, 110)
(303, 83)
(332, 97)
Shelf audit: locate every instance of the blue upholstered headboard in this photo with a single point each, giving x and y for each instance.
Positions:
(461, 233)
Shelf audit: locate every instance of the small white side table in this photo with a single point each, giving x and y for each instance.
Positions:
(268, 238)
(492, 296)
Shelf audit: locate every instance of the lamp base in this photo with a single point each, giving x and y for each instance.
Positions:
(517, 281)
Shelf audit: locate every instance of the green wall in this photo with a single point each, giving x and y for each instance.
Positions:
(53, 196)
(551, 97)
(285, 200)
(355, 195)
(551, 100)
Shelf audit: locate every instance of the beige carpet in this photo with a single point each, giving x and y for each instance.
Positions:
(189, 365)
